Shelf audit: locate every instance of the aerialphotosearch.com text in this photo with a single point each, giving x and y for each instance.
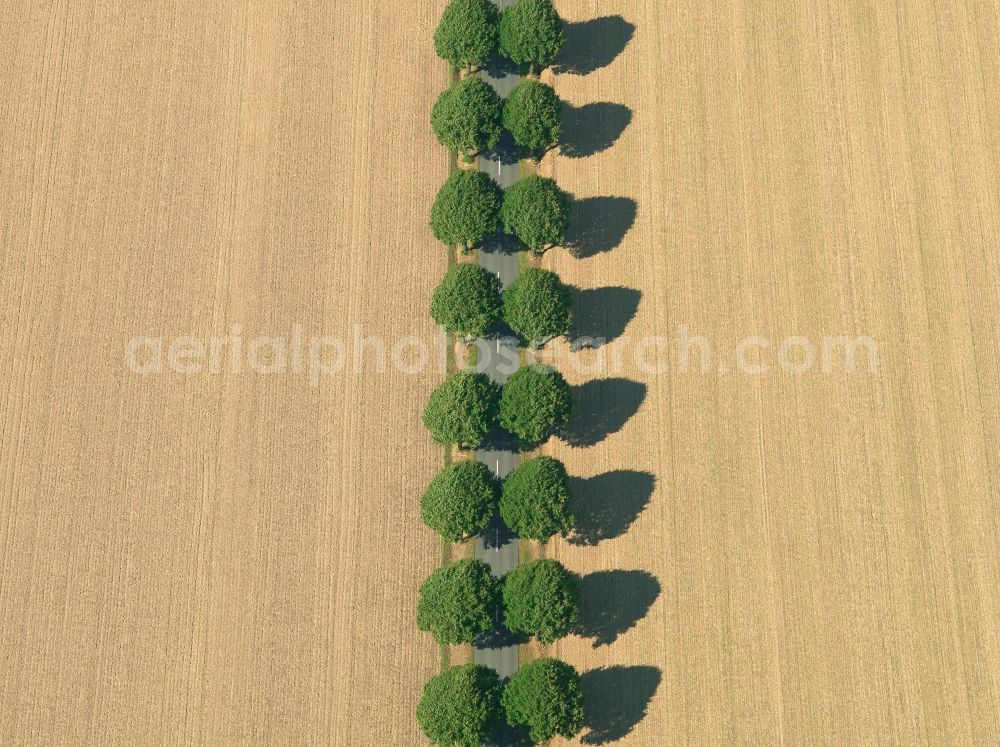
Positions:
(317, 357)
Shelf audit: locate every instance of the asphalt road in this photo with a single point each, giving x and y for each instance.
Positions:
(497, 548)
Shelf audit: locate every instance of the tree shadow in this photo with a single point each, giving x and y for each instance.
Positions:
(601, 314)
(499, 67)
(593, 44)
(508, 736)
(612, 602)
(501, 331)
(592, 128)
(598, 224)
(497, 533)
(615, 700)
(499, 637)
(508, 338)
(499, 439)
(500, 243)
(603, 406)
(604, 506)
(505, 152)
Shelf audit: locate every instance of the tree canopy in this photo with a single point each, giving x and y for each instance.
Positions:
(533, 114)
(462, 410)
(535, 501)
(537, 306)
(466, 209)
(535, 401)
(546, 697)
(537, 211)
(541, 598)
(467, 300)
(468, 33)
(531, 33)
(458, 602)
(461, 706)
(460, 501)
(468, 117)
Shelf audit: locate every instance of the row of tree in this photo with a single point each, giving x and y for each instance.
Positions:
(471, 32)
(461, 601)
(533, 500)
(464, 704)
(470, 207)
(536, 305)
(535, 402)
(470, 116)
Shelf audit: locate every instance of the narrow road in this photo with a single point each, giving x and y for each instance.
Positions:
(497, 547)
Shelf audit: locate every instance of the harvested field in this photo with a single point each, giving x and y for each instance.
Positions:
(213, 558)
(234, 557)
(778, 558)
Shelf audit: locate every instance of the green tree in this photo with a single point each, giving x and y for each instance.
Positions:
(466, 209)
(546, 697)
(460, 501)
(458, 602)
(537, 306)
(468, 33)
(535, 401)
(535, 501)
(541, 598)
(468, 117)
(461, 706)
(537, 212)
(531, 33)
(467, 300)
(533, 114)
(462, 409)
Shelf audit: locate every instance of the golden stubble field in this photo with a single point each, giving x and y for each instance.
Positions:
(787, 559)
(213, 558)
(234, 558)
